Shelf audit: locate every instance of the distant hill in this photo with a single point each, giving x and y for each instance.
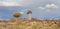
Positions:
(24, 23)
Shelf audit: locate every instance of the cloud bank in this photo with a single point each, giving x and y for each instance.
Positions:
(49, 7)
(15, 2)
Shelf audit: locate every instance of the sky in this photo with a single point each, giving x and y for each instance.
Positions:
(40, 8)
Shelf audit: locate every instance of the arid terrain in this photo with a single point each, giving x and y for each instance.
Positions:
(23, 23)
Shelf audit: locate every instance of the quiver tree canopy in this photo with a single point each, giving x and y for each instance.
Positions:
(29, 12)
(17, 14)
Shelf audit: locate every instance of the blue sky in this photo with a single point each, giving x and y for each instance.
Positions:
(40, 8)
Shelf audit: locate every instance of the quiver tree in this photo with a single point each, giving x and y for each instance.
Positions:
(17, 14)
(29, 12)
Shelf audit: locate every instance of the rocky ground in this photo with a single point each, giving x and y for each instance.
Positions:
(14, 23)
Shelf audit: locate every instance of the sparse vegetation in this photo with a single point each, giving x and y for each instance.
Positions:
(30, 24)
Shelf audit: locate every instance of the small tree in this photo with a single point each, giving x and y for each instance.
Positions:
(17, 14)
(29, 12)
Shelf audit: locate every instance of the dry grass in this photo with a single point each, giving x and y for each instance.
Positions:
(30, 24)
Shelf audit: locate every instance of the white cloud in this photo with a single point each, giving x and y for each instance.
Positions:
(41, 7)
(3, 3)
(22, 12)
(15, 2)
(49, 7)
